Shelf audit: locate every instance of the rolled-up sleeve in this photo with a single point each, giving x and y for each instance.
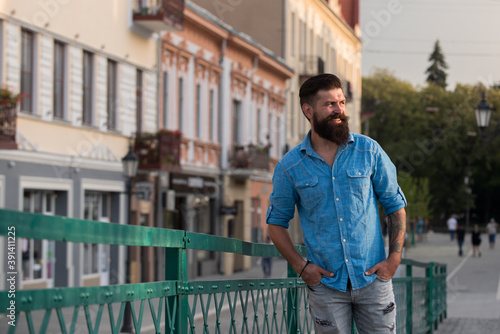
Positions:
(283, 199)
(385, 183)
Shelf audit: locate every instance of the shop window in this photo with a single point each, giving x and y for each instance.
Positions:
(38, 255)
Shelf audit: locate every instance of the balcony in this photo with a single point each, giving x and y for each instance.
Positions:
(310, 66)
(159, 15)
(159, 151)
(250, 157)
(8, 127)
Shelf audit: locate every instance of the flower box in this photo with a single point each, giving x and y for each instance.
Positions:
(159, 151)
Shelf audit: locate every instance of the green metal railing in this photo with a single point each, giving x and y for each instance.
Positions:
(181, 306)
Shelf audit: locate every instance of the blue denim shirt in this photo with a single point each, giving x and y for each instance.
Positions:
(338, 206)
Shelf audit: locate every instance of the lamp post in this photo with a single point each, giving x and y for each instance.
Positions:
(130, 164)
(483, 116)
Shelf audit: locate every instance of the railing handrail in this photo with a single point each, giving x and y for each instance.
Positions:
(176, 291)
(57, 228)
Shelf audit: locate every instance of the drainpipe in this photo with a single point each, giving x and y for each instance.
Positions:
(220, 200)
(160, 253)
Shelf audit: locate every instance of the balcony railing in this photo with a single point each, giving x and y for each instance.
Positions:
(177, 305)
(159, 15)
(8, 121)
(311, 65)
(159, 151)
(250, 157)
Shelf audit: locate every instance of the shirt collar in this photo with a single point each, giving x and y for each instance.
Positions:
(306, 144)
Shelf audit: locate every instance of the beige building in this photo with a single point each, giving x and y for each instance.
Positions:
(226, 95)
(313, 36)
(88, 74)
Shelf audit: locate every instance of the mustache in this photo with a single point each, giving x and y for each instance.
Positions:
(342, 117)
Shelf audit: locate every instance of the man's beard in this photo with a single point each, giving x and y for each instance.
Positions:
(334, 132)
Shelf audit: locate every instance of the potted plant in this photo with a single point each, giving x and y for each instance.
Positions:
(8, 100)
(8, 103)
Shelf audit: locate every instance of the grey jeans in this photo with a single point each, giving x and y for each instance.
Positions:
(373, 308)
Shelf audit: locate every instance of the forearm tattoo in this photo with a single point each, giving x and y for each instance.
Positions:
(396, 228)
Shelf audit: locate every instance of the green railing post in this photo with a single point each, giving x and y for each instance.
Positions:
(443, 292)
(176, 270)
(430, 276)
(409, 298)
(292, 304)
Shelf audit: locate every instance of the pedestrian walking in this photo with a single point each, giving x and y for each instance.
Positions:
(476, 240)
(452, 226)
(420, 229)
(267, 261)
(460, 239)
(334, 179)
(491, 228)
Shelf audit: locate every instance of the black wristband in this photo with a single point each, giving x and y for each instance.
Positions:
(308, 261)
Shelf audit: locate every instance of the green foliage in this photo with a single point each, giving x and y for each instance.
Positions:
(417, 195)
(432, 137)
(435, 73)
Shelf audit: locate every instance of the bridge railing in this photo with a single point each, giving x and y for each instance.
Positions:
(178, 305)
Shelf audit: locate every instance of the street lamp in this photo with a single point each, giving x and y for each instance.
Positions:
(130, 164)
(483, 115)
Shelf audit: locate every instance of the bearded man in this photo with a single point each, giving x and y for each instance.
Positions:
(334, 178)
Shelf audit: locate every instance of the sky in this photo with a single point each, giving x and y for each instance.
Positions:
(399, 35)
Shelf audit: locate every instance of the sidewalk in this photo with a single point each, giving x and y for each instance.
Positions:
(473, 283)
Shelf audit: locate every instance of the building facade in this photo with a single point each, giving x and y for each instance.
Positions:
(201, 104)
(87, 72)
(313, 36)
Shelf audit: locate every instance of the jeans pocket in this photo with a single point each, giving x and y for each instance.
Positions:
(384, 280)
(313, 287)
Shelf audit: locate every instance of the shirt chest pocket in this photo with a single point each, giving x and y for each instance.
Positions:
(359, 179)
(309, 192)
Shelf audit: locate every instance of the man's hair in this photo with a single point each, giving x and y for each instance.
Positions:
(309, 89)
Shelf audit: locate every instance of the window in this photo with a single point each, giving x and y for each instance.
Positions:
(27, 69)
(237, 119)
(95, 256)
(181, 103)
(1, 53)
(138, 100)
(59, 89)
(260, 130)
(112, 94)
(270, 132)
(212, 116)
(293, 34)
(320, 47)
(279, 137)
(198, 112)
(38, 261)
(165, 100)
(302, 40)
(88, 87)
(293, 114)
(334, 61)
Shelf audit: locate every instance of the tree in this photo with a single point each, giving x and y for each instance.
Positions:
(431, 136)
(436, 73)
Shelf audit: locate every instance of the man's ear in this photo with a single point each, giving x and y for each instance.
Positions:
(307, 110)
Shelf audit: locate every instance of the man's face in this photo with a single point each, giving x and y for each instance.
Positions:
(329, 118)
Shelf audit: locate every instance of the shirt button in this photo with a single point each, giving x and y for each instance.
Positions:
(359, 173)
(337, 199)
(346, 260)
(343, 240)
(333, 178)
(341, 219)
